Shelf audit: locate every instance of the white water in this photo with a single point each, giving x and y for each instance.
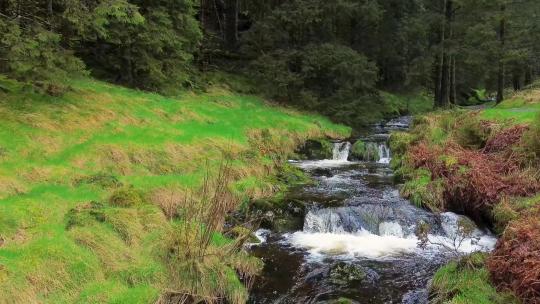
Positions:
(390, 229)
(384, 154)
(361, 244)
(325, 234)
(340, 155)
(340, 231)
(341, 151)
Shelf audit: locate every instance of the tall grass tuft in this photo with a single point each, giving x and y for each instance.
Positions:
(202, 264)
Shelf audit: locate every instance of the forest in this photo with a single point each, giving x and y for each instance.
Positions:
(331, 57)
(270, 151)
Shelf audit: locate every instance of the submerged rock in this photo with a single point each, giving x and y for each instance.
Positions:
(345, 273)
(420, 296)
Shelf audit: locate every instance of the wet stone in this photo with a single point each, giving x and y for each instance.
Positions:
(347, 273)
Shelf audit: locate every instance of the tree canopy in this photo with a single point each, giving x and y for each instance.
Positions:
(328, 56)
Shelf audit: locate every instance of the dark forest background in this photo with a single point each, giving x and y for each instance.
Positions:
(333, 57)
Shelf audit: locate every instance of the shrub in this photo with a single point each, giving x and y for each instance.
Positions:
(423, 192)
(470, 133)
(126, 197)
(515, 262)
(103, 180)
(400, 142)
(530, 142)
(358, 149)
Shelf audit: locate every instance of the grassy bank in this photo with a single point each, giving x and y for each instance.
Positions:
(485, 164)
(98, 199)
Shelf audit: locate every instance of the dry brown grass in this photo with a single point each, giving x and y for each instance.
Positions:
(10, 186)
(201, 271)
(115, 157)
(168, 200)
(515, 263)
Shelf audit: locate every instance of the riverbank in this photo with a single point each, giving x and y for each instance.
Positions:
(484, 164)
(93, 184)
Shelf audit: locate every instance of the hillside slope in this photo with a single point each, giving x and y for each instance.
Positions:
(92, 185)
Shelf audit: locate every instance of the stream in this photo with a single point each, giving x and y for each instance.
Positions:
(358, 242)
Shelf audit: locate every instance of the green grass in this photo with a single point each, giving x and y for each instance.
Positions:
(523, 107)
(466, 282)
(58, 247)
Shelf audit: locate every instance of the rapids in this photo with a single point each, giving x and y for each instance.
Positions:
(359, 239)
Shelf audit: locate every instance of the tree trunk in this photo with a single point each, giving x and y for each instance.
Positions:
(528, 76)
(444, 97)
(453, 93)
(440, 64)
(50, 13)
(231, 24)
(516, 81)
(500, 74)
(127, 74)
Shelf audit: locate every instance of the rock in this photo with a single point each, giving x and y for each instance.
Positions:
(316, 150)
(416, 297)
(344, 273)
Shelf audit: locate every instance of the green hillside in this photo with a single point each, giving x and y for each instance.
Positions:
(91, 184)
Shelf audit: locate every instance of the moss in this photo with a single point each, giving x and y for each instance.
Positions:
(400, 142)
(126, 197)
(422, 191)
(470, 133)
(510, 208)
(466, 281)
(358, 150)
(316, 149)
(366, 151)
(102, 180)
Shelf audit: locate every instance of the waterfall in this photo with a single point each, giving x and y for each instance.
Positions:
(378, 151)
(374, 230)
(384, 153)
(341, 151)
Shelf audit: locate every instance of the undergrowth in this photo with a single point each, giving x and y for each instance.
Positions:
(465, 282)
(484, 164)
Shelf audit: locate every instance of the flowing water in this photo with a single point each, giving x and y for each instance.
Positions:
(358, 239)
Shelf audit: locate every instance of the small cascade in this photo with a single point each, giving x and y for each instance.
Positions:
(373, 227)
(378, 151)
(384, 153)
(341, 151)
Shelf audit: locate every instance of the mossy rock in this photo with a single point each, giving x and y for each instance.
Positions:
(286, 223)
(366, 151)
(344, 273)
(243, 232)
(316, 150)
(400, 142)
(126, 197)
(292, 176)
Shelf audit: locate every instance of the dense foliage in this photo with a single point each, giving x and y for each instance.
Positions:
(149, 44)
(328, 56)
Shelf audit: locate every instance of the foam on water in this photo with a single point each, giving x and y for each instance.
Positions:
(361, 244)
(326, 233)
